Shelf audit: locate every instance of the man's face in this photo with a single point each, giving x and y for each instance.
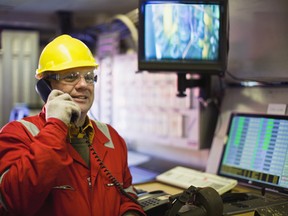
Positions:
(76, 82)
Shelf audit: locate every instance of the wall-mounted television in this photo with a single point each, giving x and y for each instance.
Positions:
(183, 36)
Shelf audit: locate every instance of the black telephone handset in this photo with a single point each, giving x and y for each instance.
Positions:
(43, 88)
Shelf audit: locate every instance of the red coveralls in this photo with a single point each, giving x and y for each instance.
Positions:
(44, 175)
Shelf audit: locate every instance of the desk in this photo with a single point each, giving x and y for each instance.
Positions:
(151, 186)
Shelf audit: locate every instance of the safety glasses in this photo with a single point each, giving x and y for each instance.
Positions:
(73, 78)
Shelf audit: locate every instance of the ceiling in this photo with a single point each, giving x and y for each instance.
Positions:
(77, 6)
(48, 16)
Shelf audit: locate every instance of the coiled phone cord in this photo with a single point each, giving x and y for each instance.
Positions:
(110, 176)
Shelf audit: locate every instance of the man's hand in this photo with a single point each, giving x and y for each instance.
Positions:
(60, 105)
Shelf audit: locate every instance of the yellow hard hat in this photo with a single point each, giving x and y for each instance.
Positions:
(64, 52)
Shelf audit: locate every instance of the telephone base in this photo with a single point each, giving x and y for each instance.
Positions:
(155, 202)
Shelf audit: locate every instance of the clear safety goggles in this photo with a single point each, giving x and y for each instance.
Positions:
(72, 78)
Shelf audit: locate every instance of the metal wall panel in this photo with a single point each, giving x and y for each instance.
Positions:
(18, 64)
(258, 40)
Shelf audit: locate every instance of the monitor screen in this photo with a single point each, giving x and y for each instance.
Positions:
(256, 150)
(183, 36)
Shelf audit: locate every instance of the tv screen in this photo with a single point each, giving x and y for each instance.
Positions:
(183, 36)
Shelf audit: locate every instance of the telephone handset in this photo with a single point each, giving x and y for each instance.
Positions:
(43, 88)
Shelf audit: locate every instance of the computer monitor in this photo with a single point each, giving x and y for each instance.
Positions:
(256, 151)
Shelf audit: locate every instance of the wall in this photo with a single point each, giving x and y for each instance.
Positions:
(18, 61)
(258, 40)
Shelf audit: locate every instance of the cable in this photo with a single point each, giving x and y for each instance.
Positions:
(130, 25)
(110, 176)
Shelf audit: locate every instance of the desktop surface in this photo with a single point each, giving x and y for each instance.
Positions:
(280, 209)
(146, 172)
(156, 186)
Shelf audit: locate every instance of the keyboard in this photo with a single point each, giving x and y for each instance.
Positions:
(252, 203)
(277, 209)
(183, 177)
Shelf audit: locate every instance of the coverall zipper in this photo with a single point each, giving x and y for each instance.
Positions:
(91, 194)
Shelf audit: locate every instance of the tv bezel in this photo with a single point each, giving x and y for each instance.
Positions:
(201, 67)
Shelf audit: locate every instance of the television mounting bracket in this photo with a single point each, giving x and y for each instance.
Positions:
(203, 82)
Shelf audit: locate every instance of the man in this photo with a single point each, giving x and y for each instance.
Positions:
(60, 162)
